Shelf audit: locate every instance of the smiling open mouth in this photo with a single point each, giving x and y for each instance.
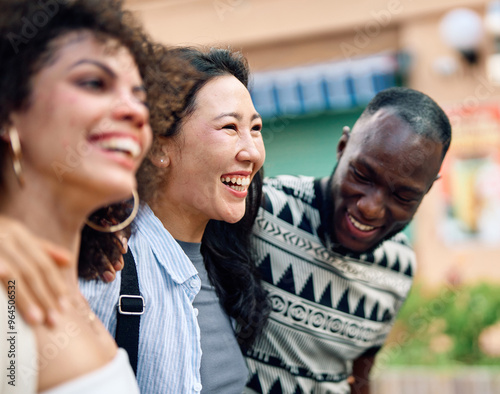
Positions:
(123, 145)
(238, 183)
(358, 225)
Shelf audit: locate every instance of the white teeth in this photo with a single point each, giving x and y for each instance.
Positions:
(123, 144)
(237, 183)
(360, 226)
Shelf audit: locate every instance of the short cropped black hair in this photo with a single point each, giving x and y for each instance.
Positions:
(423, 114)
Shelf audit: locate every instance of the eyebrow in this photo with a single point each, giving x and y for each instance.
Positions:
(410, 189)
(136, 89)
(236, 115)
(102, 66)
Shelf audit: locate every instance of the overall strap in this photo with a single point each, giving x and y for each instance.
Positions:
(130, 308)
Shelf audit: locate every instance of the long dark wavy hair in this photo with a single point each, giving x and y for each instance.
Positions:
(225, 247)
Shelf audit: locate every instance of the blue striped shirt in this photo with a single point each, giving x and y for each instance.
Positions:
(169, 338)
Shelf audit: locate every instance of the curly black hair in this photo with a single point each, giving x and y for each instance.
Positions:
(28, 30)
(167, 80)
(29, 37)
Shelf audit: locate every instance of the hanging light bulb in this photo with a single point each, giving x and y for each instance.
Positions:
(462, 30)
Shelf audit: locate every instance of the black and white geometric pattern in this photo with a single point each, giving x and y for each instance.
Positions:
(328, 308)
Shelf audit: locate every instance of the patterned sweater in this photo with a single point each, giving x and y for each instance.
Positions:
(327, 308)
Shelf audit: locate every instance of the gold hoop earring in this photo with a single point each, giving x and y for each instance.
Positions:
(120, 226)
(17, 155)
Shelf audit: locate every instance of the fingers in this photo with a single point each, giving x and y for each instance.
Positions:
(118, 265)
(40, 290)
(109, 273)
(59, 255)
(41, 283)
(24, 301)
(122, 242)
(112, 268)
(346, 129)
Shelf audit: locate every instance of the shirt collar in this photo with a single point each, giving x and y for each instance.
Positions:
(166, 250)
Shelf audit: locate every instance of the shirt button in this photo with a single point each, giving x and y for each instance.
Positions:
(195, 311)
(197, 387)
(193, 283)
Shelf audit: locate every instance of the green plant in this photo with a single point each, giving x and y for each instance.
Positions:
(443, 328)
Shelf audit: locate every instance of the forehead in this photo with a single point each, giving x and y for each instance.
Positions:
(385, 133)
(387, 142)
(225, 93)
(74, 46)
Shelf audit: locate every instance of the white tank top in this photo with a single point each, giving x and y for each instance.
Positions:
(116, 377)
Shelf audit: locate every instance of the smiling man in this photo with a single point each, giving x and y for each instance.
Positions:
(331, 252)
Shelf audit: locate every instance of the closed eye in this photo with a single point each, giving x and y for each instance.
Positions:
(360, 177)
(95, 84)
(404, 199)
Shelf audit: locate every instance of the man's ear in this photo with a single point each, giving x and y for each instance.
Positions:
(438, 176)
(346, 130)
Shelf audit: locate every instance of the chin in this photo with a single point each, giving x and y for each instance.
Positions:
(370, 248)
(119, 189)
(232, 217)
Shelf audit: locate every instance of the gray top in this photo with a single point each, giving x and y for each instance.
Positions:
(223, 368)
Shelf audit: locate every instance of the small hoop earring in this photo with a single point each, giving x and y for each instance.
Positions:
(17, 155)
(120, 226)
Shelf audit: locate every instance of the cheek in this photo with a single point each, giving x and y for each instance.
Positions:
(347, 186)
(262, 150)
(147, 141)
(402, 214)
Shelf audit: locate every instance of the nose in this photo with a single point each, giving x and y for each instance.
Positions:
(251, 148)
(372, 206)
(129, 108)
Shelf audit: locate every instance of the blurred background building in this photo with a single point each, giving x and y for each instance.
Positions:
(316, 63)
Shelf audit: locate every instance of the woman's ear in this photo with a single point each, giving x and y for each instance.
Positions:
(159, 155)
(161, 161)
(4, 132)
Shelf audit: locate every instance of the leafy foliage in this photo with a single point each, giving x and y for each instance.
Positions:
(454, 326)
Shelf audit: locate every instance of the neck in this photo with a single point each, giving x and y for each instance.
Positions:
(51, 213)
(182, 224)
